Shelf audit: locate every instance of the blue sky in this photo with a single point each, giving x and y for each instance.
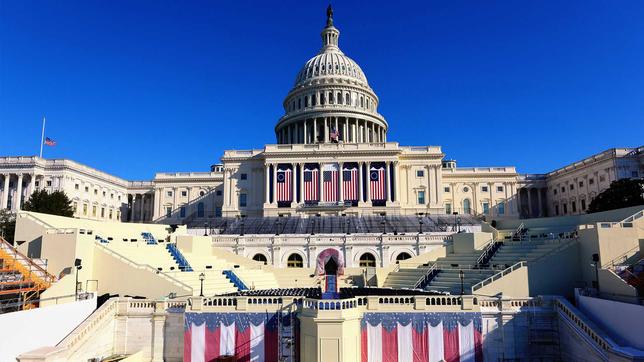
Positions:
(138, 87)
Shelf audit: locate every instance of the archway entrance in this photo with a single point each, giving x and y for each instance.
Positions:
(330, 264)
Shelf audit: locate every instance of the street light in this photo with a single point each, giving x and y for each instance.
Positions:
(77, 264)
(205, 229)
(277, 228)
(202, 277)
(420, 224)
(242, 226)
(458, 224)
(462, 276)
(384, 225)
(595, 263)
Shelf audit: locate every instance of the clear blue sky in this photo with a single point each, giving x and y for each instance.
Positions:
(138, 87)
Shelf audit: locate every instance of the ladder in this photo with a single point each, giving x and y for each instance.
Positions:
(286, 334)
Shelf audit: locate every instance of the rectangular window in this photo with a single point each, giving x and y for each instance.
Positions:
(218, 193)
(244, 176)
(111, 196)
(93, 211)
(118, 215)
(574, 206)
(581, 184)
(86, 189)
(169, 193)
(484, 189)
(563, 189)
(565, 209)
(48, 183)
(217, 211)
(182, 211)
(602, 178)
(446, 189)
(421, 197)
(486, 208)
(102, 212)
(184, 193)
(554, 191)
(499, 189)
(501, 208)
(111, 214)
(242, 200)
(85, 209)
(168, 211)
(448, 208)
(75, 206)
(572, 187)
(420, 173)
(76, 187)
(95, 192)
(583, 204)
(557, 210)
(591, 181)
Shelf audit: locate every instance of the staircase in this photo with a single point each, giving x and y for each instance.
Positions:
(449, 280)
(235, 280)
(178, 257)
(410, 278)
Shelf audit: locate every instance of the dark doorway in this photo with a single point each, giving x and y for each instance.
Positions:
(331, 267)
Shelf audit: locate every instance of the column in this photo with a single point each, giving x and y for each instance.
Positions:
(539, 201)
(267, 186)
(226, 182)
(32, 184)
(301, 165)
(5, 191)
(16, 205)
(396, 182)
(340, 184)
(388, 173)
(325, 132)
(315, 130)
(529, 202)
(321, 183)
(304, 132)
(360, 181)
(142, 208)
(274, 184)
(430, 185)
(336, 126)
(157, 204)
(368, 182)
(294, 184)
(490, 186)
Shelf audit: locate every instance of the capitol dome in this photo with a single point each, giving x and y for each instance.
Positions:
(331, 100)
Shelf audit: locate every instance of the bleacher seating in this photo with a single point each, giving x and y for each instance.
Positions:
(235, 280)
(339, 224)
(178, 258)
(149, 238)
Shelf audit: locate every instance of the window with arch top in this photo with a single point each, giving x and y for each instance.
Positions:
(403, 256)
(260, 258)
(367, 260)
(295, 261)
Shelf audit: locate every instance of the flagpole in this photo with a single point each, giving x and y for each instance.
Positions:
(42, 136)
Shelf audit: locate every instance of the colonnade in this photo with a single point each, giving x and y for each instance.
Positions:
(319, 130)
(364, 194)
(19, 188)
(139, 206)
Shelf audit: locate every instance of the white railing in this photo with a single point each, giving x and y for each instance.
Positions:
(498, 275)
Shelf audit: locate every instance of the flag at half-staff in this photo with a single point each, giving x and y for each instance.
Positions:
(284, 184)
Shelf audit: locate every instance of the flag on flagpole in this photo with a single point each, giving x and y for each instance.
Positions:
(50, 142)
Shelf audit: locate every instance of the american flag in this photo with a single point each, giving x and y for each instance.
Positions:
(311, 180)
(377, 183)
(284, 185)
(334, 135)
(330, 183)
(350, 183)
(50, 142)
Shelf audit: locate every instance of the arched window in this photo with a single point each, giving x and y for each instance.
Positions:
(330, 97)
(347, 99)
(403, 256)
(361, 102)
(339, 98)
(299, 103)
(200, 210)
(260, 258)
(307, 102)
(322, 99)
(295, 261)
(313, 100)
(367, 260)
(466, 206)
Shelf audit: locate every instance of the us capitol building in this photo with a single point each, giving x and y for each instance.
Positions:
(332, 156)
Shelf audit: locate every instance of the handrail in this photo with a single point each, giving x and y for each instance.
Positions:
(621, 256)
(142, 266)
(27, 259)
(490, 248)
(498, 275)
(562, 246)
(429, 271)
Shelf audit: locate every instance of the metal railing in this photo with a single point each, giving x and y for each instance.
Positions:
(498, 275)
(426, 277)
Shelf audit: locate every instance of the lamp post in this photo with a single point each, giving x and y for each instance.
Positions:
(348, 226)
(77, 264)
(462, 276)
(242, 226)
(312, 226)
(595, 263)
(458, 224)
(384, 225)
(205, 229)
(202, 277)
(277, 227)
(420, 225)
